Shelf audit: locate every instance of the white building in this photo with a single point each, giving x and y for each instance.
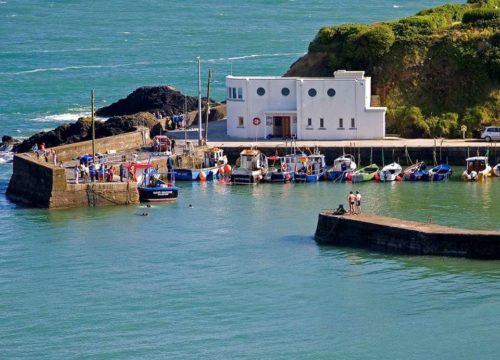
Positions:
(309, 108)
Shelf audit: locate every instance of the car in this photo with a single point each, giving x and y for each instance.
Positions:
(161, 143)
(491, 133)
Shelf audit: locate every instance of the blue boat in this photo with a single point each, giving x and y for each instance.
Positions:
(310, 168)
(439, 173)
(343, 168)
(416, 172)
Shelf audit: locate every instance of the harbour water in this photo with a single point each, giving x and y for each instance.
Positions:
(238, 275)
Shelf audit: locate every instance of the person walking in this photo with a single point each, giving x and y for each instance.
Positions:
(358, 202)
(351, 199)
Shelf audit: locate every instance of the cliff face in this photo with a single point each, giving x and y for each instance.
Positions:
(435, 71)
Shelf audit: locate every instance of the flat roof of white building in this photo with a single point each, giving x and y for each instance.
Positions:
(337, 75)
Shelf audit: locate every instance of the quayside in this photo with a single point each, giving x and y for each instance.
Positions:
(402, 236)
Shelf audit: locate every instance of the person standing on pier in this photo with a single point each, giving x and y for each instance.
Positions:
(351, 199)
(358, 202)
(77, 174)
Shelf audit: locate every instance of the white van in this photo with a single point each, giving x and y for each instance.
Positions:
(491, 133)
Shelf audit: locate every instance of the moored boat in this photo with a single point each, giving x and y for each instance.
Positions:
(310, 168)
(366, 173)
(415, 172)
(191, 167)
(391, 172)
(279, 170)
(496, 169)
(439, 173)
(155, 188)
(251, 168)
(477, 169)
(343, 168)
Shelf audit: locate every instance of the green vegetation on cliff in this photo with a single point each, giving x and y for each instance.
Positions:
(435, 71)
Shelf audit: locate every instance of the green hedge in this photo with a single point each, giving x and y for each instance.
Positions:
(477, 15)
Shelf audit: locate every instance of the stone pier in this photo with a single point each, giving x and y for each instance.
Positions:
(402, 236)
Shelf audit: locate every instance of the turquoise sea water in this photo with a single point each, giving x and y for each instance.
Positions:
(238, 275)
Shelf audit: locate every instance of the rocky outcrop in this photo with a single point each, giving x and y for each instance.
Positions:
(164, 100)
(82, 130)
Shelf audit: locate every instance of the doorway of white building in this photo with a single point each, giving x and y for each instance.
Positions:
(282, 126)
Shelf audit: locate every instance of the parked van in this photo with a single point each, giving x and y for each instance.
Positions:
(491, 133)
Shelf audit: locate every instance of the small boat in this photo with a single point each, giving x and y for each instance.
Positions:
(439, 173)
(154, 188)
(391, 172)
(366, 173)
(415, 172)
(251, 167)
(310, 168)
(496, 169)
(477, 169)
(207, 166)
(343, 168)
(279, 171)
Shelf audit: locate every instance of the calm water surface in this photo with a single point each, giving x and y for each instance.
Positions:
(239, 274)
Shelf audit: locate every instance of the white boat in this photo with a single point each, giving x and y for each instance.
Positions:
(391, 172)
(251, 167)
(478, 169)
(496, 169)
(343, 166)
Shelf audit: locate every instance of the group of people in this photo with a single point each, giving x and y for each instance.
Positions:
(354, 201)
(42, 152)
(93, 173)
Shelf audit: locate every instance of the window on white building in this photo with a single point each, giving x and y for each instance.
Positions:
(341, 123)
(309, 122)
(241, 121)
(235, 93)
(261, 91)
(353, 123)
(321, 123)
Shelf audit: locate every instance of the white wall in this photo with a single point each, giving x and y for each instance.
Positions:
(351, 100)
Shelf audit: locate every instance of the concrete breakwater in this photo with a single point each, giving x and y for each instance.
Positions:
(38, 183)
(402, 236)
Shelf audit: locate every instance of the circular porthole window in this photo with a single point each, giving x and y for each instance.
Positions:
(312, 92)
(331, 92)
(285, 91)
(261, 91)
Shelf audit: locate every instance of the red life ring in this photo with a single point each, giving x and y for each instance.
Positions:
(256, 121)
(284, 167)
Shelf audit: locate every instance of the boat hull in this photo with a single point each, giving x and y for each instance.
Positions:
(194, 174)
(158, 194)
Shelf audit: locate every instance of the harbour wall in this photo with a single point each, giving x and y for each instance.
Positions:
(455, 155)
(407, 237)
(38, 183)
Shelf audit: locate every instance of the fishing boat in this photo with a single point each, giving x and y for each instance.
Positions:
(366, 173)
(206, 164)
(310, 168)
(250, 168)
(279, 170)
(415, 172)
(496, 169)
(343, 167)
(477, 169)
(391, 172)
(154, 187)
(439, 173)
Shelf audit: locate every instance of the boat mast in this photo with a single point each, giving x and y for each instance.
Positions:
(200, 140)
(208, 104)
(93, 124)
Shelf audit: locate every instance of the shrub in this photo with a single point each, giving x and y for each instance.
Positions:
(370, 45)
(480, 15)
(443, 126)
(411, 123)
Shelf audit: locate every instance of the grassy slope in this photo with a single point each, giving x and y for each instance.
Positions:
(435, 71)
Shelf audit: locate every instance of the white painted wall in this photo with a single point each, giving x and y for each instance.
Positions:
(351, 100)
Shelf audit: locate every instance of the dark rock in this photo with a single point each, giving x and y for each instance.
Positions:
(82, 130)
(6, 139)
(216, 113)
(160, 100)
(157, 130)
